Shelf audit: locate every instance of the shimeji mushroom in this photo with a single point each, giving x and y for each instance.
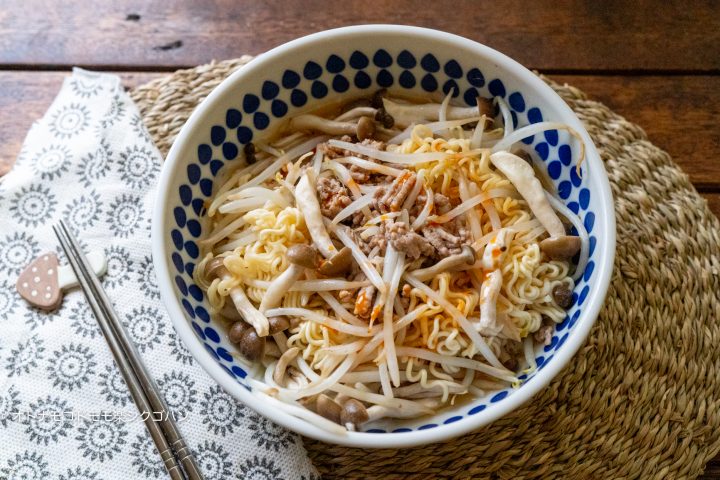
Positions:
(249, 343)
(465, 258)
(307, 202)
(338, 264)
(559, 246)
(406, 114)
(348, 412)
(328, 408)
(363, 129)
(278, 324)
(336, 261)
(300, 257)
(353, 414)
(282, 365)
(404, 410)
(216, 269)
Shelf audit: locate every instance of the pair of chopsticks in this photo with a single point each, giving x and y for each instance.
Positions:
(176, 455)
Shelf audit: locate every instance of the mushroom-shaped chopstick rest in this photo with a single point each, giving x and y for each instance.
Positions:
(43, 281)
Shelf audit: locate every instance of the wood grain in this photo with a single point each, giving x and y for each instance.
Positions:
(578, 35)
(713, 200)
(679, 113)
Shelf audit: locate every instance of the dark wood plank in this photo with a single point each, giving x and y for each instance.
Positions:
(679, 113)
(713, 200)
(712, 470)
(24, 98)
(557, 35)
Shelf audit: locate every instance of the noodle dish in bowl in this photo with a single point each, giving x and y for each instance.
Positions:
(383, 236)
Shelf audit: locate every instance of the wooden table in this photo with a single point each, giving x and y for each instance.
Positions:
(656, 63)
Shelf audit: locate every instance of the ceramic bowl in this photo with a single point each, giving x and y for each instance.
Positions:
(345, 63)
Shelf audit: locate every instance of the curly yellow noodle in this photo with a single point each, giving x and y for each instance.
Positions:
(525, 299)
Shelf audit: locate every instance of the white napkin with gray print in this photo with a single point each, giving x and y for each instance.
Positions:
(65, 412)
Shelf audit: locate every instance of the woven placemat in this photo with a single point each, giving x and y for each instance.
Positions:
(641, 399)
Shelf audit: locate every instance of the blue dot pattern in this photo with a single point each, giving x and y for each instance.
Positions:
(401, 69)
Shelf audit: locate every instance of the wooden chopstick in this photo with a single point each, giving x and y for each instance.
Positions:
(144, 391)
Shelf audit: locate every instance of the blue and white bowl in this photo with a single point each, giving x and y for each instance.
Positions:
(345, 63)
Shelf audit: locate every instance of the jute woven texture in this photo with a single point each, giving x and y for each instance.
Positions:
(641, 399)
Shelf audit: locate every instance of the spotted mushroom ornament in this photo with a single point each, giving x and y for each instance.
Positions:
(44, 281)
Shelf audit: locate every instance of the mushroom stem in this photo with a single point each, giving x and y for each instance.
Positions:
(282, 364)
(216, 269)
(357, 112)
(406, 410)
(407, 114)
(522, 176)
(466, 257)
(307, 202)
(251, 314)
(362, 129)
(279, 286)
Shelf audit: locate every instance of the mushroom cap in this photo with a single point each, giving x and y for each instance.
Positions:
(251, 345)
(561, 248)
(562, 295)
(365, 128)
(385, 118)
(215, 268)
(278, 324)
(328, 408)
(353, 412)
(338, 264)
(236, 331)
(303, 255)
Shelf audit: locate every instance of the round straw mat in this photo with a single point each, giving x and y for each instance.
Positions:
(641, 399)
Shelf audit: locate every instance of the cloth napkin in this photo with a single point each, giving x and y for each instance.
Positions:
(65, 412)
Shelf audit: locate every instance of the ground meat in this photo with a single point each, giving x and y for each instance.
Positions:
(405, 240)
(334, 152)
(442, 204)
(378, 240)
(544, 334)
(376, 144)
(358, 174)
(445, 243)
(391, 199)
(358, 218)
(333, 196)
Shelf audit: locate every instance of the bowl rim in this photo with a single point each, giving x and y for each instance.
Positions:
(390, 439)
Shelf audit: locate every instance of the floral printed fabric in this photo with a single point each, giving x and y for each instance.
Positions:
(65, 412)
